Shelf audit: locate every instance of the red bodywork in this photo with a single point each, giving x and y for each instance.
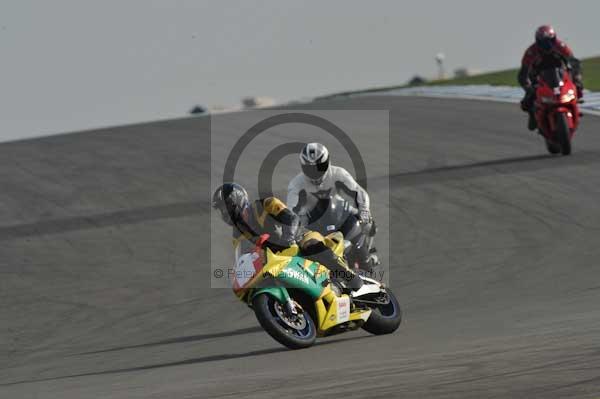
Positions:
(556, 93)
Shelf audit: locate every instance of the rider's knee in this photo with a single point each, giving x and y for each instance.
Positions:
(312, 242)
(311, 238)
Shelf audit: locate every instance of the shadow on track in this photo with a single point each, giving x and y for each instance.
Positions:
(124, 217)
(205, 359)
(179, 340)
(492, 167)
(198, 360)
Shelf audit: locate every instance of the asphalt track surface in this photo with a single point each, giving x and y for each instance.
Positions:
(104, 281)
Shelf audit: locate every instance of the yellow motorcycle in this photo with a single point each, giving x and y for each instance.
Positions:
(295, 301)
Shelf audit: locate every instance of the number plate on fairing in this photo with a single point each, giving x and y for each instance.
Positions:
(247, 266)
(343, 309)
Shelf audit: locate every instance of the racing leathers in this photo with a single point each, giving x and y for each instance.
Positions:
(271, 216)
(304, 194)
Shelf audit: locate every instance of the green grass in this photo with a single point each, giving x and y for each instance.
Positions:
(591, 73)
(591, 79)
(500, 78)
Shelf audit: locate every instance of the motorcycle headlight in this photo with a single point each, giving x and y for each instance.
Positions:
(570, 96)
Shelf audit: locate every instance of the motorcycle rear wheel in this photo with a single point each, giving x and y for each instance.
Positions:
(303, 336)
(385, 318)
(562, 133)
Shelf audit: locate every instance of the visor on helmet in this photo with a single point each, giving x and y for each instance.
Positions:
(546, 43)
(315, 172)
(222, 209)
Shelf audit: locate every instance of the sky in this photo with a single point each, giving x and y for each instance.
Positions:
(68, 65)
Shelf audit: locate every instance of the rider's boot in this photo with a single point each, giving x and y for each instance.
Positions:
(315, 249)
(374, 260)
(355, 282)
(339, 269)
(528, 105)
(532, 123)
(367, 263)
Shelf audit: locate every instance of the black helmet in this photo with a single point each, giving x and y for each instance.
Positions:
(314, 160)
(230, 199)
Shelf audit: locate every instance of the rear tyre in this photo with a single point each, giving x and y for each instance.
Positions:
(295, 332)
(562, 133)
(385, 318)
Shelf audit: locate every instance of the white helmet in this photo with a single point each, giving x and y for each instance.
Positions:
(314, 160)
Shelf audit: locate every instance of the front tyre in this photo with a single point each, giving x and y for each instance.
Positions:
(385, 318)
(562, 133)
(552, 147)
(292, 331)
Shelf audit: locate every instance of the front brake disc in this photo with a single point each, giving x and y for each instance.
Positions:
(297, 322)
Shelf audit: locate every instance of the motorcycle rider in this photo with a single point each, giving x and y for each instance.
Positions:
(322, 180)
(270, 216)
(547, 52)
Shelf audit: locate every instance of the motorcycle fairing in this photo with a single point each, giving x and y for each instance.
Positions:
(331, 313)
(556, 84)
(286, 269)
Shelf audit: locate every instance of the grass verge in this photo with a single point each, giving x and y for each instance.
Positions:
(591, 79)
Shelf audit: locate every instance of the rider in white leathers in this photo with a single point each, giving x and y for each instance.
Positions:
(321, 180)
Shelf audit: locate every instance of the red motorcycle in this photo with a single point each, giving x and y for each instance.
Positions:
(557, 109)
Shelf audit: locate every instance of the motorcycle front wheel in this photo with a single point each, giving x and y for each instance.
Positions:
(293, 331)
(552, 148)
(562, 133)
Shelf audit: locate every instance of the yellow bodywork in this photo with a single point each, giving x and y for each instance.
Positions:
(276, 263)
(327, 305)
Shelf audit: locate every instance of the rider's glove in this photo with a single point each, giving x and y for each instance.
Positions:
(365, 216)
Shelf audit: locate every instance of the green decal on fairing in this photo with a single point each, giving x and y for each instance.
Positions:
(295, 276)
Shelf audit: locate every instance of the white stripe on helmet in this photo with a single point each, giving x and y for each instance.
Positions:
(314, 153)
